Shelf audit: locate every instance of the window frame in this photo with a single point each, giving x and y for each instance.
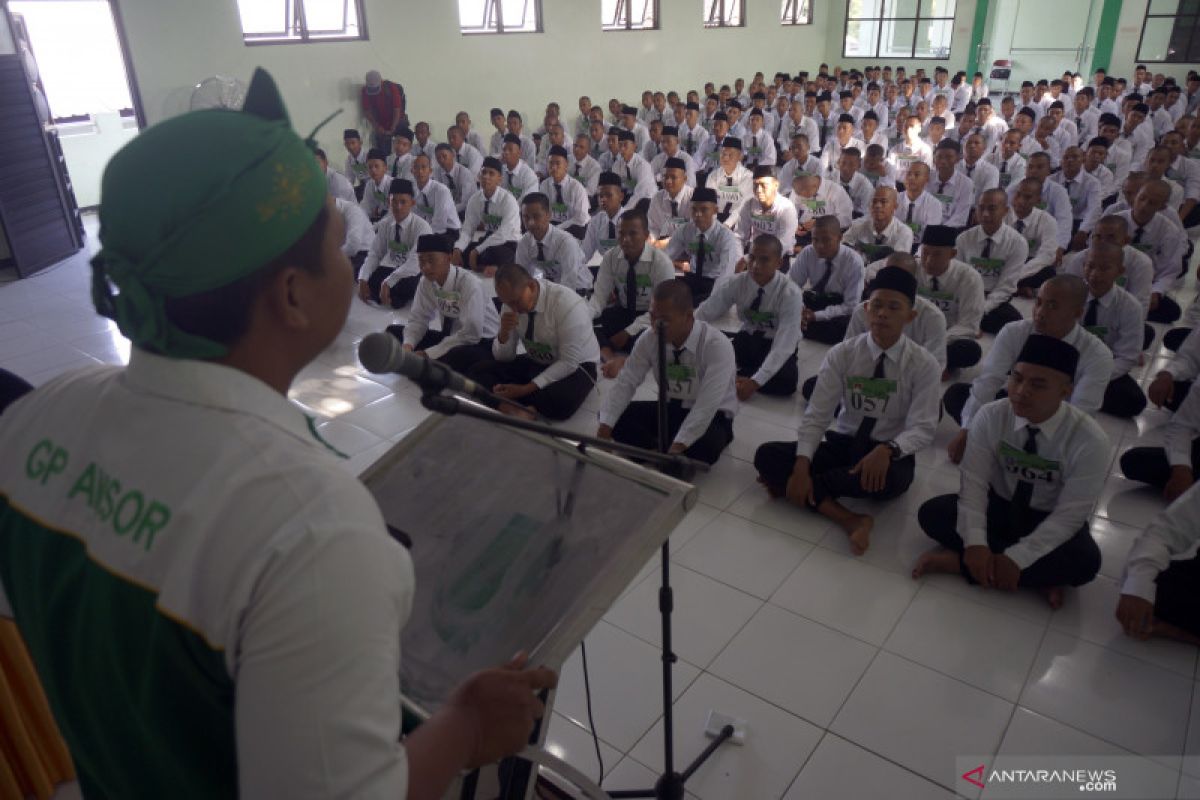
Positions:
(714, 5)
(917, 19)
(607, 26)
(790, 20)
(497, 6)
(305, 35)
(1176, 16)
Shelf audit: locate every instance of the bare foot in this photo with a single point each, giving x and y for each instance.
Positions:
(518, 411)
(1054, 596)
(859, 530)
(938, 560)
(1169, 631)
(612, 367)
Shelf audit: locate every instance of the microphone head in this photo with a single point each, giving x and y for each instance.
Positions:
(377, 351)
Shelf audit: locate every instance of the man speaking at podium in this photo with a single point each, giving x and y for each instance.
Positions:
(212, 602)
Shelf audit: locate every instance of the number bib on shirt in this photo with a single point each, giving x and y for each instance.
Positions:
(425, 212)
(1005, 179)
(1099, 331)
(642, 282)
(681, 382)
(945, 200)
(558, 211)
(1144, 247)
(1042, 205)
(552, 270)
(815, 206)
(360, 170)
(694, 248)
(398, 250)
(449, 302)
(541, 353)
(380, 197)
(729, 194)
(988, 268)
(874, 252)
(490, 222)
(945, 301)
(1028, 466)
(763, 223)
(761, 321)
(870, 396)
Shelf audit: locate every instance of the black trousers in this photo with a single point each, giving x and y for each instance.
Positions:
(830, 469)
(954, 399)
(578, 231)
(1035, 280)
(638, 426)
(750, 351)
(998, 317)
(701, 287)
(495, 256)
(1123, 397)
(612, 321)
(1073, 563)
(1173, 338)
(1177, 596)
(12, 389)
(558, 400)
(1147, 336)
(401, 294)
(1167, 312)
(962, 353)
(1149, 465)
(459, 359)
(828, 331)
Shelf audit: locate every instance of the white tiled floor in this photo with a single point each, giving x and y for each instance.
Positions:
(854, 680)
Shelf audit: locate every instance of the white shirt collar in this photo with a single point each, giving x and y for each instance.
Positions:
(1047, 428)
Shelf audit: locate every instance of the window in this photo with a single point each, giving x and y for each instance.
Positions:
(629, 15)
(274, 21)
(500, 16)
(724, 13)
(796, 12)
(899, 28)
(1171, 31)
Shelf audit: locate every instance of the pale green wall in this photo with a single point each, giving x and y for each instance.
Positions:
(1133, 14)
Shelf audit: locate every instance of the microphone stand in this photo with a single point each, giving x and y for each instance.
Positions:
(670, 784)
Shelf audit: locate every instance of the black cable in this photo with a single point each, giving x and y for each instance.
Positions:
(587, 691)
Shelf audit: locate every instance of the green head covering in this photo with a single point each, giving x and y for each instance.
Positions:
(242, 188)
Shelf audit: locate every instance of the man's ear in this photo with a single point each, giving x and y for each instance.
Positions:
(286, 297)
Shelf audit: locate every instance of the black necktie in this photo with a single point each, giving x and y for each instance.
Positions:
(450, 184)
(700, 256)
(987, 248)
(1003, 167)
(758, 297)
(933, 283)
(1023, 494)
(541, 253)
(862, 437)
(878, 239)
(424, 200)
(1137, 235)
(486, 205)
(1089, 319)
(970, 170)
(908, 214)
(612, 231)
(558, 193)
(691, 143)
(510, 183)
(1019, 225)
(529, 327)
(941, 187)
(577, 165)
(397, 236)
(674, 208)
(631, 290)
(819, 286)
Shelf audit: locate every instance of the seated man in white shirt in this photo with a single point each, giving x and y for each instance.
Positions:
(671, 206)
(1040, 231)
(491, 225)
(469, 318)
(1158, 586)
(672, 150)
(374, 202)
(548, 250)
(951, 188)
(853, 182)
(557, 372)
(769, 306)
(767, 212)
(1007, 159)
(455, 177)
(843, 137)
(1172, 466)
(1115, 317)
(835, 275)
(975, 166)
(389, 274)
(700, 390)
(585, 169)
(879, 234)
(1154, 233)
(339, 186)
(1033, 468)
(705, 251)
(733, 183)
(518, 177)
(998, 253)
(957, 291)
(886, 385)
(816, 197)
(359, 233)
(434, 203)
(601, 233)
(800, 161)
(625, 282)
(568, 198)
(916, 207)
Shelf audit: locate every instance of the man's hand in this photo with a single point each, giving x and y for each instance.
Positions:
(508, 323)
(604, 432)
(456, 257)
(364, 291)
(514, 391)
(957, 446)
(1180, 481)
(1162, 389)
(409, 348)
(683, 266)
(1136, 615)
(872, 470)
(1155, 299)
(978, 560)
(385, 294)
(502, 707)
(807, 315)
(612, 367)
(740, 266)
(677, 448)
(619, 340)
(746, 387)
(1005, 572)
(799, 485)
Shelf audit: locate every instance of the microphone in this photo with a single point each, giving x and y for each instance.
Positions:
(382, 353)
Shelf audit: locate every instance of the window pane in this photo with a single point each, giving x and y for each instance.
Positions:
(863, 8)
(609, 17)
(265, 18)
(900, 8)
(1156, 39)
(860, 39)
(733, 12)
(897, 38)
(519, 15)
(471, 16)
(796, 12)
(331, 17)
(1181, 38)
(933, 38)
(1163, 7)
(937, 8)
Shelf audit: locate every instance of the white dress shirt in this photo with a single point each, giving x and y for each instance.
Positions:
(956, 195)
(958, 294)
(705, 384)
(668, 214)
(496, 217)
(983, 174)
(1108, 183)
(788, 129)
(461, 302)
(780, 221)
(830, 199)
(1041, 235)
(395, 246)
(1173, 534)
(1010, 171)
(1091, 378)
(693, 141)
(777, 317)
(356, 168)
(1185, 173)
(587, 172)
(400, 166)
(435, 205)
(339, 186)
(832, 153)
(862, 236)
(601, 234)
(638, 179)
(758, 149)
(1083, 193)
(721, 246)
(788, 172)
(573, 210)
(660, 163)
(860, 190)
(1165, 242)
(1003, 266)
(1119, 324)
(1138, 277)
(928, 329)
(1182, 431)
(652, 268)
(359, 231)
(562, 338)
(562, 260)
(520, 180)
(733, 191)
(468, 156)
(461, 183)
(906, 415)
(1073, 465)
(374, 201)
(904, 155)
(846, 278)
